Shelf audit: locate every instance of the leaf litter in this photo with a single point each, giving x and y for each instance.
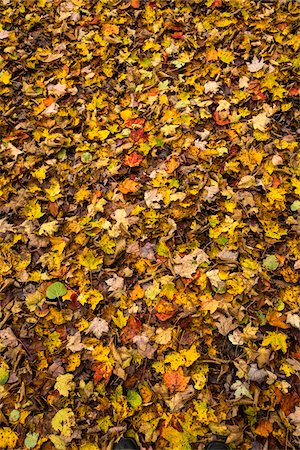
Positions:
(149, 223)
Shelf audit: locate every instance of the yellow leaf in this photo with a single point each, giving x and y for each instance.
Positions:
(89, 259)
(296, 184)
(8, 438)
(225, 56)
(276, 340)
(120, 320)
(53, 193)
(190, 355)
(57, 442)
(276, 195)
(203, 414)
(83, 194)
(32, 210)
(40, 173)
(126, 113)
(53, 342)
(183, 358)
(107, 245)
(102, 134)
(199, 378)
(177, 440)
(64, 384)
(49, 228)
(89, 446)
(5, 77)
(63, 421)
(73, 362)
(93, 297)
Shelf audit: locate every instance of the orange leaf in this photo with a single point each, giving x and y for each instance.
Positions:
(176, 381)
(48, 101)
(264, 428)
(164, 310)
(217, 4)
(128, 185)
(137, 292)
(211, 55)
(133, 160)
(101, 371)
(171, 164)
(145, 392)
(218, 119)
(177, 35)
(108, 29)
(294, 91)
(135, 3)
(231, 134)
(137, 121)
(277, 320)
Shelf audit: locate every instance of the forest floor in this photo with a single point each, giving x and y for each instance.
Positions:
(149, 224)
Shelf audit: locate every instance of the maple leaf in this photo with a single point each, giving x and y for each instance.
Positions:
(64, 384)
(8, 438)
(89, 259)
(74, 343)
(295, 419)
(133, 160)
(264, 428)
(260, 121)
(211, 86)
(176, 381)
(187, 265)
(276, 340)
(64, 421)
(98, 327)
(255, 64)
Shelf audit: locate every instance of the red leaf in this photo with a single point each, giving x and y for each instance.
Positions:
(94, 21)
(137, 121)
(75, 302)
(133, 160)
(136, 135)
(133, 328)
(218, 120)
(294, 91)
(177, 35)
(259, 96)
(101, 372)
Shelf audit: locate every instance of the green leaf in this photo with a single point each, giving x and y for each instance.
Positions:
(31, 440)
(56, 290)
(271, 262)
(134, 399)
(14, 415)
(4, 373)
(86, 157)
(295, 206)
(162, 249)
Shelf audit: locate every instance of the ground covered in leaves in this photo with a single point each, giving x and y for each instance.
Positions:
(149, 223)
